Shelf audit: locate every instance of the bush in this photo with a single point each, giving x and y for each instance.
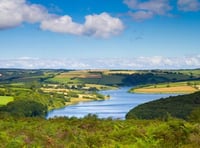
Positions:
(72, 94)
(25, 108)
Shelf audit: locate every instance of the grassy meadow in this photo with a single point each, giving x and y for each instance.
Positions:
(5, 100)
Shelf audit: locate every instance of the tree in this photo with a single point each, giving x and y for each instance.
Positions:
(25, 108)
(195, 115)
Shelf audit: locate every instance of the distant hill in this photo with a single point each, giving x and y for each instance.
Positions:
(177, 106)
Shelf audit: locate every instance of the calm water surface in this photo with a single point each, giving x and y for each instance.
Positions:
(117, 106)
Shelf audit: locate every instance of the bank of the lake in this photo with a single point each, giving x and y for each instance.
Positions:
(117, 106)
(185, 106)
(172, 87)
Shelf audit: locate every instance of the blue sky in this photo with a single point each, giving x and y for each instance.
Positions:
(116, 34)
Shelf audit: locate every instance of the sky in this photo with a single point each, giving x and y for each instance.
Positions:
(100, 34)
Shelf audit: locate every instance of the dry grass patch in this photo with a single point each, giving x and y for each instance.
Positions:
(119, 72)
(176, 89)
(54, 90)
(81, 98)
(77, 100)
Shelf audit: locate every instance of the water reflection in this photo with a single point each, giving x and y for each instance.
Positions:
(117, 106)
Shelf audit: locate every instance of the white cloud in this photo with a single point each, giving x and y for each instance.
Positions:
(15, 12)
(63, 24)
(160, 7)
(148, 9)
(102, 25)
(141, 15)
(131, 3)
(35, 13)
(155, 62)
(141, 10)
(189, 5)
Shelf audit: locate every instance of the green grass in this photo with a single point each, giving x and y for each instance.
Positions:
(171, 84)
(195, 72)
(174, 84)
(104, 80)
(63, 80)
(5, 100)
(20, 89)
(20, 84)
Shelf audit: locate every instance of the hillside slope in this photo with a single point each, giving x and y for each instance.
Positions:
(177, 106)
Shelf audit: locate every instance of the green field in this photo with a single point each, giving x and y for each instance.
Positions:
(90, 77)
(5, 100)
(192, 73)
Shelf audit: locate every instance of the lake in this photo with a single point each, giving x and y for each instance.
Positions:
(116, 107)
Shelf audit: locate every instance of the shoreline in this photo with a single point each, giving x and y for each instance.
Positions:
(76, 101)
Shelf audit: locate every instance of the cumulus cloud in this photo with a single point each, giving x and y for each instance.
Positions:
(63, 24)
(189, 5)
(15, 12)
(148, 9)
(155, 62)
(155, 6)
(102, 25)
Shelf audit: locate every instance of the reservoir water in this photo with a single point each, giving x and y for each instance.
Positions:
(116, 107)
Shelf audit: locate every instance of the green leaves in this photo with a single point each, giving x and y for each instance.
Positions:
(93, 132)
(177, 106)
(25, 108)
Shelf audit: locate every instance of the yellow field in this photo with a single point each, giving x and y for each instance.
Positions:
(175, 89)
(61, 90)
(119, 72)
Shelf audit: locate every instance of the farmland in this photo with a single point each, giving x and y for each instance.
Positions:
(89, 77)
(58, 88)
(174, 87)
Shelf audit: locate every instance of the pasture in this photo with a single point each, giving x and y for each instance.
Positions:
(5, 100)
(90, 77)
